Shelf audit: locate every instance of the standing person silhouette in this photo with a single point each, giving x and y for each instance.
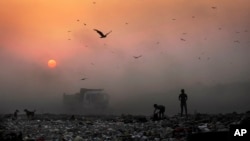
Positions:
(183, 98)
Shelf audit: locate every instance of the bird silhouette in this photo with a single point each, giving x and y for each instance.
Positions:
(213, 7)
(101, 34)
(83, 78)
(136, 57)
(182, 39)
(237, 41)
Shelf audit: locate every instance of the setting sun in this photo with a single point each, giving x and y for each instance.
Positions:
(52, 63)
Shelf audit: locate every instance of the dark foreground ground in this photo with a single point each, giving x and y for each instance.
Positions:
(49, 127)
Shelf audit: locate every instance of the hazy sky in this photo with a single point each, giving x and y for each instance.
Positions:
(202, 46)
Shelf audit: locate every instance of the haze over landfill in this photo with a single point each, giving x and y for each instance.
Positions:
(155, 49)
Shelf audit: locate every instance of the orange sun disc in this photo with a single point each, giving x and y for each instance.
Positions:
(52, 63)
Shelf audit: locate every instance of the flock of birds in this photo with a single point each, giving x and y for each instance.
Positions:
(104, 35)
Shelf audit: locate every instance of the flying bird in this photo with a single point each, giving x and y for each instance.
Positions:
(136, 57)
(213, 7)
(182, 39)
(237, 41)
(83, 78)
(101, 34)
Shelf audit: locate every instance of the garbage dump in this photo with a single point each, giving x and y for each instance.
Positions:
(49, 127)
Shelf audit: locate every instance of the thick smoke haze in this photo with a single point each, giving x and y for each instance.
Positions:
(183, 44)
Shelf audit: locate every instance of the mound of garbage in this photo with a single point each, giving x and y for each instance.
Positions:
(49, 127)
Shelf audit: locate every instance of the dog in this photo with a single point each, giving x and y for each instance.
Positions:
(30, 114)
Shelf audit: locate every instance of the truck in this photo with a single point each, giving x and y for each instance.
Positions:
(87, 100)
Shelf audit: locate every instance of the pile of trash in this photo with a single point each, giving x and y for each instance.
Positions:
(48, 127)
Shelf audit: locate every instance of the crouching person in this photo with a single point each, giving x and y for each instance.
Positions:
(158, 112)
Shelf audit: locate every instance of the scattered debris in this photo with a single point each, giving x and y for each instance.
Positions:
(125, 127)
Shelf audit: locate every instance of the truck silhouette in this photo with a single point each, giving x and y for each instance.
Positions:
(86, 101)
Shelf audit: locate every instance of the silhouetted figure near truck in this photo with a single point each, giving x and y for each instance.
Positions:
(183, 98)
(159, 111)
